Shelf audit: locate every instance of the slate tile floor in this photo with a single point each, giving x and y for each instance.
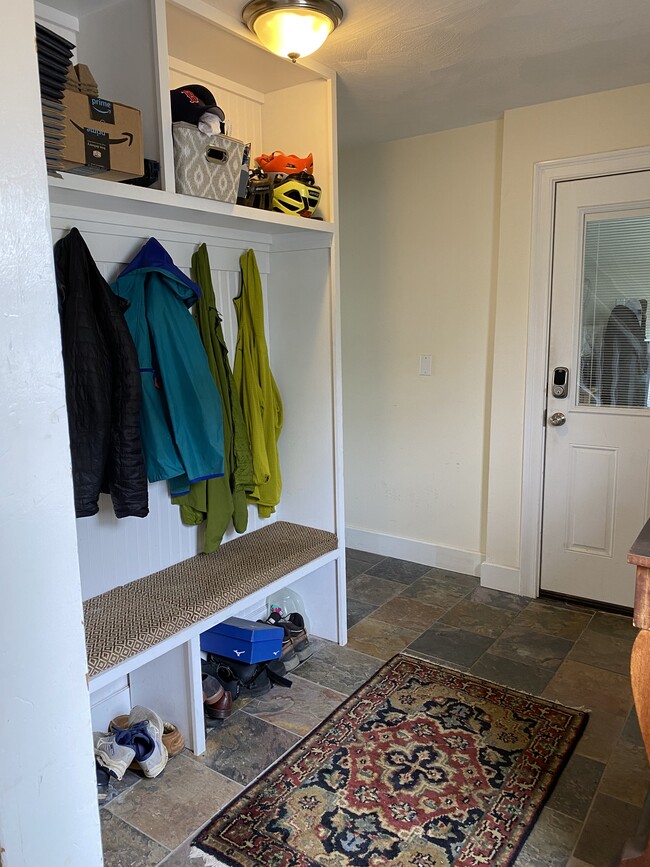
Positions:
(565, 652)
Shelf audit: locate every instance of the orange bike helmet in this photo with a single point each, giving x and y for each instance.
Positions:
(285, 164)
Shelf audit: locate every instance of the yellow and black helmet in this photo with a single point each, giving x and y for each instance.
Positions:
(296, 194)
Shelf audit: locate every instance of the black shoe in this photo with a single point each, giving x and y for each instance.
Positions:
(289, 655)
(220, 668)
(295, 625)
(103, 782)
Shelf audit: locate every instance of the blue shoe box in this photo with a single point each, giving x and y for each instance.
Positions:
(244, 640)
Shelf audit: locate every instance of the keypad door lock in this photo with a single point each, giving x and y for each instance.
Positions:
(560, 385)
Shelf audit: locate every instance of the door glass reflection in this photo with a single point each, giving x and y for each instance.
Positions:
(614, 328)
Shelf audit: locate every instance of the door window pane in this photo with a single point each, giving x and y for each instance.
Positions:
(614, 326)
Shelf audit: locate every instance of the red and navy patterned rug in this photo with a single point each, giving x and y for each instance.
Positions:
(422, 766)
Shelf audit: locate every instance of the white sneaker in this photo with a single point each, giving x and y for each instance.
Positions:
(110, 754)
(146, 730)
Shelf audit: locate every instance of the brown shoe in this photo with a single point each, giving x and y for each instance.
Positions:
(219, 709)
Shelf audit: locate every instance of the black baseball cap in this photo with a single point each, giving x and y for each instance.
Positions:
(192, 101)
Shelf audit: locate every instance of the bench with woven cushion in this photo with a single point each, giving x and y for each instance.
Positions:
(134, 625)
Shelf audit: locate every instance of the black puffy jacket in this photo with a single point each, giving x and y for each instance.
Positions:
(102, 383)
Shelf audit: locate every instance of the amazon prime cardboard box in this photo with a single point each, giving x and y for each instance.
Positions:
(102, 138)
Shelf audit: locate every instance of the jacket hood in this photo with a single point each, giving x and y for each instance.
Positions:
(154, 257)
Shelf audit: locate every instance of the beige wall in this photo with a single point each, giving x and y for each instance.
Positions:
(435, 242)
(601, 122)
(418, 230)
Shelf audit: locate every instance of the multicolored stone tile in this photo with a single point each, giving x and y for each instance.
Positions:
(369, 588)
(627, 776)
(434, 589)
(357, 610)
(170, 807)
(616, 625)
(125, 846)
(408, 612)
(606, 830)
(379, 639)
(452, 644)
(180, 857)
(354, 567)
(576, 787)
(342, 669)
(498, 599)
(598, 739)
(366, 556)
(526, 678)
(602, 650)
(580, 685)
(562, 623)
(476, 617)
(243, 746)
(402, 571)
(298, 709)
(551, 841)
(523, 644)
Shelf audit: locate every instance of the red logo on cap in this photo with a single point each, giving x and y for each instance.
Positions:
(191, 96)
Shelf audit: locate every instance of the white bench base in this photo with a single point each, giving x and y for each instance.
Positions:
(167, 675)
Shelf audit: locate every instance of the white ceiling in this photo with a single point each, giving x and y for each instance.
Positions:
(408, 67)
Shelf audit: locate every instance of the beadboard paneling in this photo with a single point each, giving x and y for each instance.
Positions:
(112, 551)
(242, 107)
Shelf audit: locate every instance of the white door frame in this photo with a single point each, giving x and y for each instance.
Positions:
(547, 176)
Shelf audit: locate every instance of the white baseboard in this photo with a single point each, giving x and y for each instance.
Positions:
(504, 578)
(439, 556)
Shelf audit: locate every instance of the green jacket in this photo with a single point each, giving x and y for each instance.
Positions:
(218, 501)
(258, 393)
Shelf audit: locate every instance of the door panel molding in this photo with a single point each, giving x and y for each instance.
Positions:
(592, 476)
(547, 175)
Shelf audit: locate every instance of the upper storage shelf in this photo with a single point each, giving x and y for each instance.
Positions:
(140, 49)
(77, 192)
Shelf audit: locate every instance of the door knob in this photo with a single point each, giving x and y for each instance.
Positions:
(557, 419)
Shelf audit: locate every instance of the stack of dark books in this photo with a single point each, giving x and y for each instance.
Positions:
(54, 57)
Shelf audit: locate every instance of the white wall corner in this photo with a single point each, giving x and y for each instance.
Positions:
(504, 578)
(437, 556)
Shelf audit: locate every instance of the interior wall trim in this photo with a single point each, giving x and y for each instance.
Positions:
(546, 177)
(438, 556)
(504, 578)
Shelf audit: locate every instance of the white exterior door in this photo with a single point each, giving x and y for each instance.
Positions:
(597, 462)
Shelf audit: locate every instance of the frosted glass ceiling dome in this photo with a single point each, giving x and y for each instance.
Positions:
(292, 28)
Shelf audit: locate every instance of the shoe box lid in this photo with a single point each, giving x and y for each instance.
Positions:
(249, 630)
(245, 640)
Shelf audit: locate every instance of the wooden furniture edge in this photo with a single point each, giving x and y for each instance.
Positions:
(637, 851)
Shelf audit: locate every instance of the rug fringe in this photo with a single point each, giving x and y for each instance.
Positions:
(199, 858)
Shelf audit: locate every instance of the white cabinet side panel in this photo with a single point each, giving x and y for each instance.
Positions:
(124, 73)
(48, 795)
(301, 344)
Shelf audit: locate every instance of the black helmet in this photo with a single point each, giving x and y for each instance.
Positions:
(258, 191)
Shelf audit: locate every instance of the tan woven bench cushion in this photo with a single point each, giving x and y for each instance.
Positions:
(136, 616)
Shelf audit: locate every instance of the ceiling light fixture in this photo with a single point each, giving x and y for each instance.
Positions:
(292, 28)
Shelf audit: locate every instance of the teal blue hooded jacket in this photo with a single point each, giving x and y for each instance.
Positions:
(180, 420)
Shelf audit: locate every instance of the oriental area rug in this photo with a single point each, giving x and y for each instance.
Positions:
(422, 766)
